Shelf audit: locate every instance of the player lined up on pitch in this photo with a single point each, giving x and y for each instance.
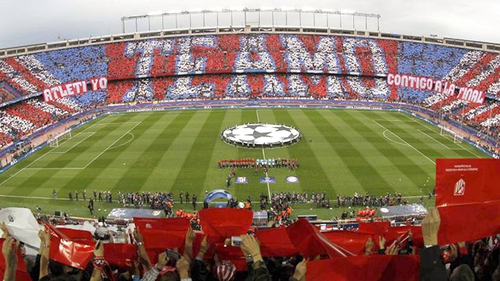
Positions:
(279, 162)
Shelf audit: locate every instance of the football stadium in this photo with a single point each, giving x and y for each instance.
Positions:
(250, 152)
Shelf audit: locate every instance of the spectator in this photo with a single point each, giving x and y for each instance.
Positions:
(432, 267)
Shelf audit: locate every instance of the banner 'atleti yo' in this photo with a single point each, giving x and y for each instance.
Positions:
(468, 198)
(74, 88)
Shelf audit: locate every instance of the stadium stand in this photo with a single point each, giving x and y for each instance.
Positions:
(250, 67)
(301, 250)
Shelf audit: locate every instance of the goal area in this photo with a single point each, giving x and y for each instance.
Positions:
(54, 141)
(448, 133)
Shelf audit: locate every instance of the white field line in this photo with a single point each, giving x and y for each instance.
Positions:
(111, 145)
(27, 167)
(391, 140)
(463, 147)
(40, 169)
(133, 137)
(97, 123)
(264, 157)
(471, 152)
(267, 175)
(74, 145)
(110, 123)
(434, 139)
(405, 143)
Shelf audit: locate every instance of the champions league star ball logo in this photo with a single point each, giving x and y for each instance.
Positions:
(252, 135)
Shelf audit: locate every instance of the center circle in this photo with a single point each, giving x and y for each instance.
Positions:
(260, 135)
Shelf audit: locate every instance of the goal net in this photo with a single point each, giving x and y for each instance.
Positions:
(54, 141)
(448, 133)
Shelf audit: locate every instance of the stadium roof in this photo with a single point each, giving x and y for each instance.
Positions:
(32, 22)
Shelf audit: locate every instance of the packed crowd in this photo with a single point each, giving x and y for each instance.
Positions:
(244, 66)
(176, 252)
(256, 53)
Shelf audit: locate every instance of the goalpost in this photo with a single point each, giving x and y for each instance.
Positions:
(448, 133)
(54, 140)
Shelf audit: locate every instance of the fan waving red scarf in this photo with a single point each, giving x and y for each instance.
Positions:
(65, 250)
(77, 235)
(274, 242)
(378, 227)
(222, 223)
(311, 243)
(351, 241)
(468, 199)
(120, 254)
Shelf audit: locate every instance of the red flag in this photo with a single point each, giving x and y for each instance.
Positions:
(353, 242)
(402, 233)
(222, 223)
(367, 268)
(392, 233)
(21, 271)
(77, 235)
(378, 227)
(468, 198)
(120, 254)
(64, 250)
(162, 233)
(311, 243)
(274, 242)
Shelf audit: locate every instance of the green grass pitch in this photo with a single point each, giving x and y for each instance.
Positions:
(341, 152)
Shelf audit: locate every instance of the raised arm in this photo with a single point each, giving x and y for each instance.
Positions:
(432, 267)
(141, 249)
(9, 251)
(44, 252)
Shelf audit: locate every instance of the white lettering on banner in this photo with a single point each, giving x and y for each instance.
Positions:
(74, 88)
(439, 86)
(471, 95)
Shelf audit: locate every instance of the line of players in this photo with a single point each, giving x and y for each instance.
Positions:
(279, 162)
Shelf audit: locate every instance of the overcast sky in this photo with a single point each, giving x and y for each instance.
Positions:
(25, 22)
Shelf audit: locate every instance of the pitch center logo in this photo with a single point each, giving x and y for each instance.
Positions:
(459, 188)
(260, 134)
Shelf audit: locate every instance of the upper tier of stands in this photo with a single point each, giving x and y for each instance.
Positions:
(244, 65)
